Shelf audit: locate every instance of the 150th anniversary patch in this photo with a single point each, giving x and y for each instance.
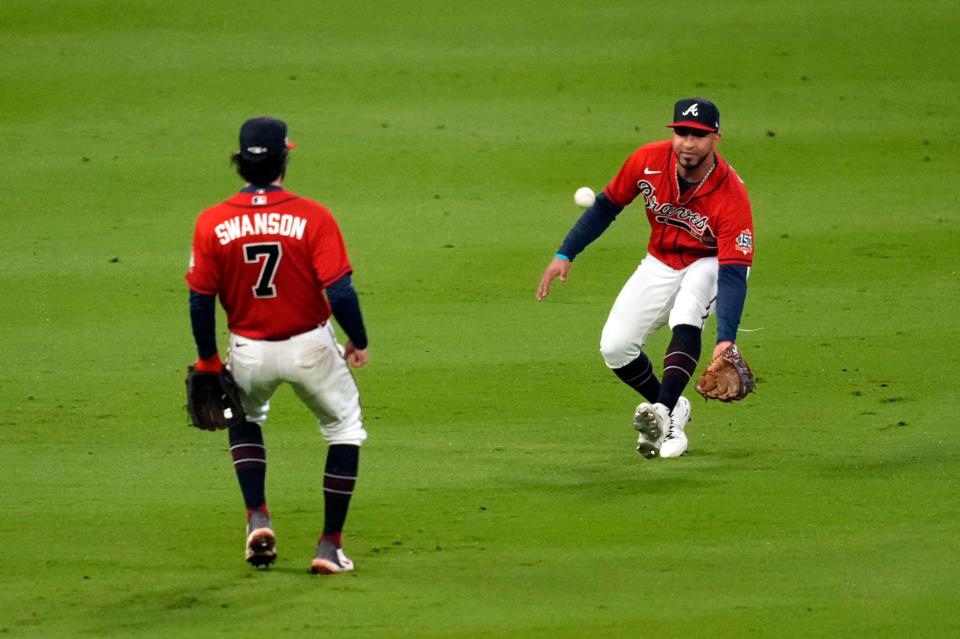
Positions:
(745, 242)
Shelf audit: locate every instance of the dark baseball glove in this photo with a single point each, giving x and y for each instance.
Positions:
(727, 378)
(213, 400)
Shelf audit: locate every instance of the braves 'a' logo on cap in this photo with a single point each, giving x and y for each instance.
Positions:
(745, 242)
(692, 110)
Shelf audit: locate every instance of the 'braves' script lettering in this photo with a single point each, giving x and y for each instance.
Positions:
(693, 223)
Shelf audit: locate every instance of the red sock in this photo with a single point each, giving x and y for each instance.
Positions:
(336, 538)
(261, 508)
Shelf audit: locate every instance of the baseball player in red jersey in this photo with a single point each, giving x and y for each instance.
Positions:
(698, 257)
(278, 263)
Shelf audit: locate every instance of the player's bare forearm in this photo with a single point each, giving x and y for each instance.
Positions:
(557, 267)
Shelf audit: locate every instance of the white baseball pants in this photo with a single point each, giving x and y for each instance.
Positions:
(312, 363)
(657, 294)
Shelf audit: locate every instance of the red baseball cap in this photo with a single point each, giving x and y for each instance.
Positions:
(696, 113)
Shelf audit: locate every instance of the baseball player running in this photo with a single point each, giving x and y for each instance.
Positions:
(698, 257)
(270, 255)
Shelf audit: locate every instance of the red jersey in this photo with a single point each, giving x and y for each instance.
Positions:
(268, 255)
(712, 219)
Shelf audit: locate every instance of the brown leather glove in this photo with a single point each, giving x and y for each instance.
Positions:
(727, 378)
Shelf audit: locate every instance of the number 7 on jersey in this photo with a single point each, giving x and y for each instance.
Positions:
(270, 253)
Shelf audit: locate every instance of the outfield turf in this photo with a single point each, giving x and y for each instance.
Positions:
(500, 494)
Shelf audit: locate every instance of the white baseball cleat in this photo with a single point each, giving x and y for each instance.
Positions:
(261, 548)
(675, 441)
(330, 560)
(652, 421)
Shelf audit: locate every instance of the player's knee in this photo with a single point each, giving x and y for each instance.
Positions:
(617, 351)
(354, 436)
(348, 429)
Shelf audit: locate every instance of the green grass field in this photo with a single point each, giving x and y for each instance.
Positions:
(500, 494)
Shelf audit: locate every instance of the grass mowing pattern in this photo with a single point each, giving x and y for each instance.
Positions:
(499, 492)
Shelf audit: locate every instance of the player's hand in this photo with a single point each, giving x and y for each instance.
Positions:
(719, 348)
(356, 357)
(556, 268)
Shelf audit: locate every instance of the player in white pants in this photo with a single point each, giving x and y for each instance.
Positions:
(653, 296)
(656, 294)
(698, 257)
(312, 363)
(279, 265)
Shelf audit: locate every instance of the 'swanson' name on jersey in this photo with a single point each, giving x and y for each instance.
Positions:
(260, 224)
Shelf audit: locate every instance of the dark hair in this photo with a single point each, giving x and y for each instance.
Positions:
(260, 171)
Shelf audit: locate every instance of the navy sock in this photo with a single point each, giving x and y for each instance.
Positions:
(679, 364)
(250, 462)
(639, 376)
(339, 479)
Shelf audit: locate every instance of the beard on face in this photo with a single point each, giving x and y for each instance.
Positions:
(693, 163)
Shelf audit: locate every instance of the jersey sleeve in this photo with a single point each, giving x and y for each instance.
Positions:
(330, 260)
(735, 243)
(622, 190)
(203, 276)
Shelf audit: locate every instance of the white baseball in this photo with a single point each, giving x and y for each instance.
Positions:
(584, 197)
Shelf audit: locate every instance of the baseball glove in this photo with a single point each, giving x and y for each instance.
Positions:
(213, 400)
(727, 378)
